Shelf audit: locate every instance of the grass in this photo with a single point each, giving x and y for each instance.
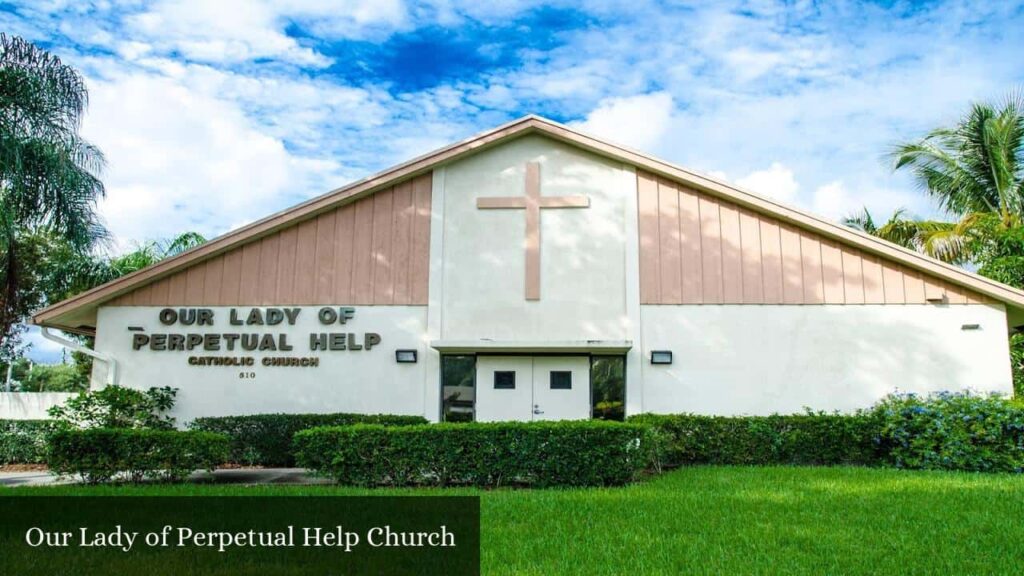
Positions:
(729, 520)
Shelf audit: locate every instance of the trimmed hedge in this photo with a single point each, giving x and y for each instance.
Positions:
(266, 439)
(798, 439)
(584, 453)
(101, 454)
(24, 441)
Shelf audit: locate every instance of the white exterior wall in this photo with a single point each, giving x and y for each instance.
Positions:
(367, 382)
(747, 359)
(583, 250)
(30, 405)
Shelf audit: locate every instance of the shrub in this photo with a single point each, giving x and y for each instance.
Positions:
(101, 454)
(266, 439)
(117, 407)
(585, 453)
(952, 431)
(798, 439)
(23, 441)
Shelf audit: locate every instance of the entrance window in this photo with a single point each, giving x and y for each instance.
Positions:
(608, 387)
(561, 380)
(458, 382)
(505, 380)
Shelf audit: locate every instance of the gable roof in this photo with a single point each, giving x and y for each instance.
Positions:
(75, 313)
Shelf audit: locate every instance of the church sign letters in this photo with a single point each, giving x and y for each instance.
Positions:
(253, 340)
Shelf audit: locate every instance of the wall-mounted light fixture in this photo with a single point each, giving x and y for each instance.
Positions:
(971, 327)
(661, 356)
(405, 356)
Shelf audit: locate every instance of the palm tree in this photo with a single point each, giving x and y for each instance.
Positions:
(975, 170)
(149, 253)
(182, 243)
(48, 173)
(943, 240)
(64, 272)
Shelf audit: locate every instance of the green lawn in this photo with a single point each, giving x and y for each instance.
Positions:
(726, 520)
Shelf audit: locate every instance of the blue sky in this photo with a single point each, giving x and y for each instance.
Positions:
(213, 114)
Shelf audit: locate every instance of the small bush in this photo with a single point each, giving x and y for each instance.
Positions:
(23, 441)
(952, 431)
(585, 453)
(117, 407)
(266, 439)
(798, 439)
(102, 454)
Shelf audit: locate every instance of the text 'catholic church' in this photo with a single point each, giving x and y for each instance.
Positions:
(533, 272)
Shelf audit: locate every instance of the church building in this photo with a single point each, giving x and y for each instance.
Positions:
(535, 272)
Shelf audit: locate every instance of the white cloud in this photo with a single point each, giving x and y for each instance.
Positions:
(221, 31)
(179, 159)
(238, 31)
(347, 18)
(833, 201)
(637, 121)
(777, 181)
(750, 64)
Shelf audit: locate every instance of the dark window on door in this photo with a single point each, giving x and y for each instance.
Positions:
(458, 388)
(608, 387)
(561, 380)
(505, 380)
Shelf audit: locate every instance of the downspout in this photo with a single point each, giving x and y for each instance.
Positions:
(75, 346)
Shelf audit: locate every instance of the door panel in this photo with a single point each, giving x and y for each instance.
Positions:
(561, 388)
(500, 403)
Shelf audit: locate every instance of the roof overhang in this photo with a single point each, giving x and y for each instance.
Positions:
(79, 311)
(598, 347)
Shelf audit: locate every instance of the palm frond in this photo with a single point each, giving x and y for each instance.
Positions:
(860, 221)
(976, 165)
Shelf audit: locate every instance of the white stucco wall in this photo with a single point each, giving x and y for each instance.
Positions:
(765, 359)
(583, 250)
(30, 405)
(361, 381)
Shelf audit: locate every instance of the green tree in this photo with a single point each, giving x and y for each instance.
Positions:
(20, 367)
(947, 241)
(903, 230)
(53, 378)
(65, 271)
(48, 173)
(975, 172)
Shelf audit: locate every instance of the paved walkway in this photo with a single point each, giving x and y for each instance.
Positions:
(36, 478)
(226, 476)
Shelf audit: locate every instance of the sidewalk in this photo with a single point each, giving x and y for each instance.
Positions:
(225, 476)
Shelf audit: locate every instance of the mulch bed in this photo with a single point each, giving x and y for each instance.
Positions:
(23, 468)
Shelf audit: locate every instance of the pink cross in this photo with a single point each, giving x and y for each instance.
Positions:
(532, 203)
